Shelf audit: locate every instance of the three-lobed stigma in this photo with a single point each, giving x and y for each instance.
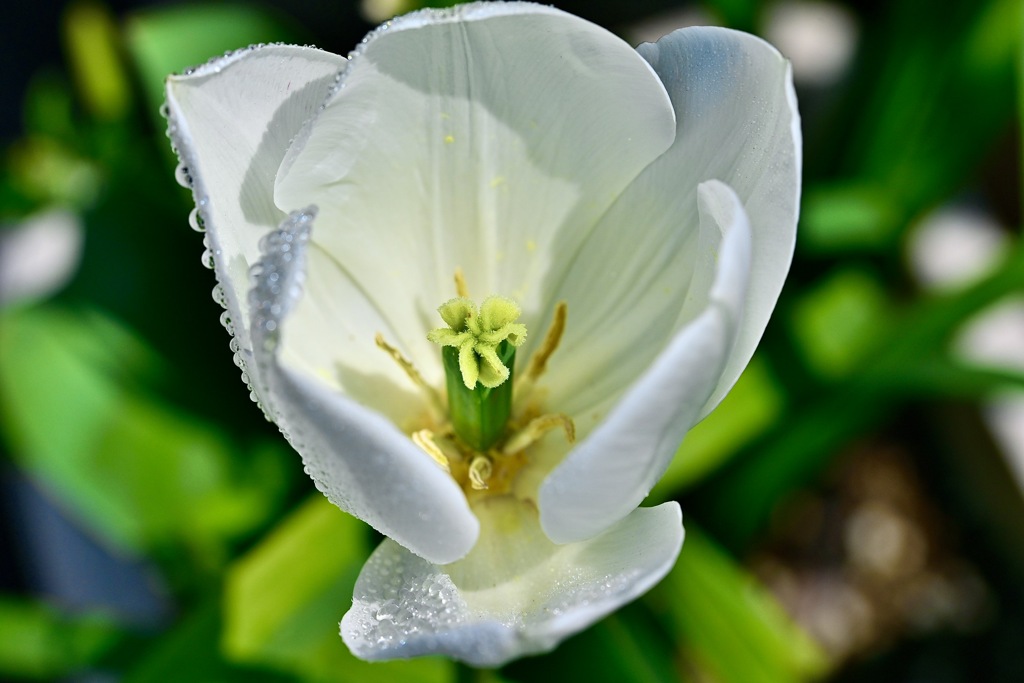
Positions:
(480, 336)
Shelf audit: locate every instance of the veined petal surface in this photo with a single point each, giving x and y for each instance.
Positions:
(356, 456)
(738, 123)
(489, 137)
(231, 121)
(614, 468)
(516, 593)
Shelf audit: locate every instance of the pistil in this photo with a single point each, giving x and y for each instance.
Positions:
(478, 354)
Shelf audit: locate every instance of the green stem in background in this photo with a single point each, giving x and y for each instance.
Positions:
(468, 674)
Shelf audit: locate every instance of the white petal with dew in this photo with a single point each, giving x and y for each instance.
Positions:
(357, 457)
(488, 137)
(515, 594)
(231, 121)
(738, 122)
(614, 468)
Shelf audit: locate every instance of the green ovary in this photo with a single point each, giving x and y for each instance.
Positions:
(479, 355)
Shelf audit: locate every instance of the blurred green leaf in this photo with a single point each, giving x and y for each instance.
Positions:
(467, 674)
(842, 217)
(932, 96)
(624, 647)
(91, 39)
(189, 652)
(840, 319)
(167, 40)
(138, 472)
(728, 623)
(45, 172)
(49, 107)
(406, 7)
(1018, 22)
(284, 599)
(36, 641)
(752, 406)
(737, 501)
(740, 14)
(932, 377)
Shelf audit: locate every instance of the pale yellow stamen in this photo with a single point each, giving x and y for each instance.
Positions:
(424, 438)
(479, 472)
(536, 429)
(412, 373)
(460, 284)
(539, 360)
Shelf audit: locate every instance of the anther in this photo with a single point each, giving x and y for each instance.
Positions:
(536, 429)
(412, 373)
(424, 438)
(460, 284)
(479, 472)
(539, 360)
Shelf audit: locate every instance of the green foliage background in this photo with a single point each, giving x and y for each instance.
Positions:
(119, 403)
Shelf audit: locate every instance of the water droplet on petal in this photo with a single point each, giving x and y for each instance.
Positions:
(195, 219)
(219, 296)
(183, 177)
(225, 320)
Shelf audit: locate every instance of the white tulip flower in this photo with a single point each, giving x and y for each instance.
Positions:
(605, 230)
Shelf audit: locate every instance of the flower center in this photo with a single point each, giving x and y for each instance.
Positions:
(484, 437)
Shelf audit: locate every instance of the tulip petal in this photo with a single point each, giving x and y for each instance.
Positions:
(356, 456)
(489, 137)
(515, 594)
(614, 468)
(738, 122)
(231, 121)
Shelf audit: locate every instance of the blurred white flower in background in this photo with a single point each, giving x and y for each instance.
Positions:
(819, 38)
(39, 255)
(956, 246)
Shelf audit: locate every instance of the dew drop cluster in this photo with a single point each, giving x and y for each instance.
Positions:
(277, 277)
(391, 609)
(581, 590)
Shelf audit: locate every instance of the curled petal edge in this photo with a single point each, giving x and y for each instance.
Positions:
(614, 469)
(356, 457)
(738, 121)
(229, 161)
